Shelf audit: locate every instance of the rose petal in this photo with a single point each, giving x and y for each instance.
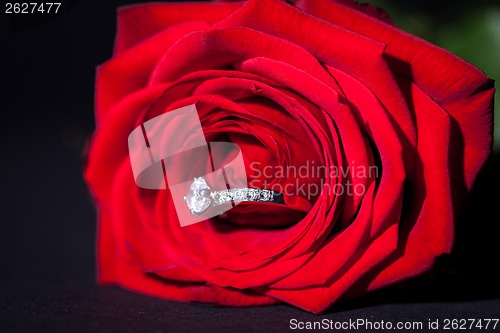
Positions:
(350, 52)
(318, 299)
(220, 48)
(129, 72)
(139, 22)
(459, 87)
(112, 136)
(427, 223)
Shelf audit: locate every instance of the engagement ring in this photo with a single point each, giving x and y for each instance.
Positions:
(200, 197)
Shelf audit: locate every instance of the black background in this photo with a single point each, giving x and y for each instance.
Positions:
(47, 229)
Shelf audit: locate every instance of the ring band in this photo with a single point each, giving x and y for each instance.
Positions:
(200, 197)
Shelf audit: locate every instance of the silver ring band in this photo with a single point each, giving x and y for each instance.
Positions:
(200, 197)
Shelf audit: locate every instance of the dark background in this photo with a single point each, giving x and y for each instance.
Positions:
(47, 229)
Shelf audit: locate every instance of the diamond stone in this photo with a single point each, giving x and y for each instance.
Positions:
(265, 195)
(195, 200)
(253, 194)
(240, 194)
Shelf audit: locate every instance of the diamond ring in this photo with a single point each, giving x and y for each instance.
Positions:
(200, 197)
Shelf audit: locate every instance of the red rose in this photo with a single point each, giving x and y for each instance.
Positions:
(332, 82)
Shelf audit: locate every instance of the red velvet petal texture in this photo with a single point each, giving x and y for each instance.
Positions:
(139, 22)
(460, 88)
